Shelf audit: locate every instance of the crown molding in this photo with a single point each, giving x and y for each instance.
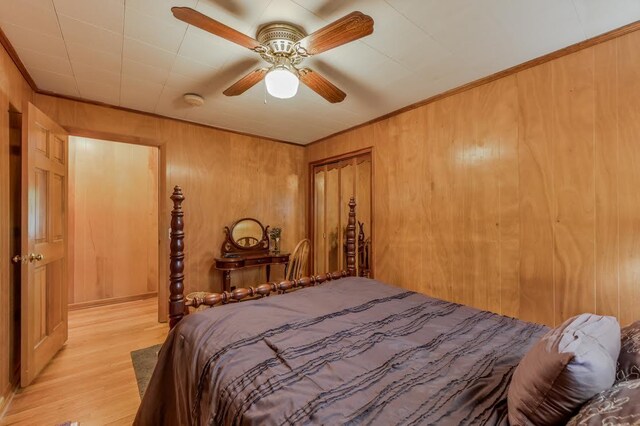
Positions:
(16, 60)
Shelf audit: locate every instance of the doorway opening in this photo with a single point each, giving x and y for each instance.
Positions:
(15, 244)
(113, 222)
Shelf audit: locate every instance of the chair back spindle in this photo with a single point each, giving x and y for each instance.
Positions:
(299, 260)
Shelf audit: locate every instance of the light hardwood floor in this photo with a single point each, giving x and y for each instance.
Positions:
(91, 380)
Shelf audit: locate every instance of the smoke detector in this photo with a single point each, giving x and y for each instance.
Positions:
(193, 99)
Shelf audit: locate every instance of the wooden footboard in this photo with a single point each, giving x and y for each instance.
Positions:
(178, 306)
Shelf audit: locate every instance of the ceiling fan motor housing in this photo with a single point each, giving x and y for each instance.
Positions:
(280, 38)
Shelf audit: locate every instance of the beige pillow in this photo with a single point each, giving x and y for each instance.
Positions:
(569, 365)
(618, 405)
(629, 359)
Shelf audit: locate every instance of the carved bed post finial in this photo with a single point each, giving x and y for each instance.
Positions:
(351, 239)
(176, 259)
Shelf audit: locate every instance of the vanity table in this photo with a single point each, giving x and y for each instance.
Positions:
(246, 245)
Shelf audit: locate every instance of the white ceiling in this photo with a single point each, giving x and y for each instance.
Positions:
(135, 54)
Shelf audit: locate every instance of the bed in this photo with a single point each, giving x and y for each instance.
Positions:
(339, 350)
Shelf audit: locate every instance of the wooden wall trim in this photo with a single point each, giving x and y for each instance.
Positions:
(356, 153)
(5, 399)
(618, 32)
(113, 300)
(16, 60)
(113, 137)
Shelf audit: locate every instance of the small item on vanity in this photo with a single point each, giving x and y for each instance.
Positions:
(275, 234)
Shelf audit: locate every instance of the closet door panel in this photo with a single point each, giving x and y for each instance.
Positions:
(347, 190)
(319, 249)
(332, 217)
(363, 191)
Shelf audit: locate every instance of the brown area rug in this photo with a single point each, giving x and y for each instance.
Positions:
(144, 361)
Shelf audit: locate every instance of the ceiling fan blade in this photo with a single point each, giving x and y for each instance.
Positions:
(346, 29)
(321, 86)
(246, 82)
(197, 19)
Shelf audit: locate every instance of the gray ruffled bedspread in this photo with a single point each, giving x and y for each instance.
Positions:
(352, 351)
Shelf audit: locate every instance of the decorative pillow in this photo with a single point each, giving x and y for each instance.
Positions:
(629, 360)
(618, 405)
(566, 367)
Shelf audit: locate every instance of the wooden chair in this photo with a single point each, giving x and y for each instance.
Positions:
(299, 261)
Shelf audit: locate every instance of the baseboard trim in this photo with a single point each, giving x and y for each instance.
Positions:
(111, 301)
(5, 400)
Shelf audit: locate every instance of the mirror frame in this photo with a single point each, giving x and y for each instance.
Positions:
(230, 246)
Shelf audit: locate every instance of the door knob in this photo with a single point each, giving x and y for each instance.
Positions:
(33, 257)
(19, 259)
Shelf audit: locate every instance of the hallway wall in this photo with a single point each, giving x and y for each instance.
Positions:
(114, 203)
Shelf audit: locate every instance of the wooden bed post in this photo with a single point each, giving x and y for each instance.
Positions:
(351, 239)
(176, 259)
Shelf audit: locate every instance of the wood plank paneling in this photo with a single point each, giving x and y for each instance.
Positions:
(436, 270)
(403, 233)
(536, 198)
(573, 179)
(525, 189)
(481, 159)
(115, 203)
(628, 67)
(504, 119)
(606, 179)
(454, 131)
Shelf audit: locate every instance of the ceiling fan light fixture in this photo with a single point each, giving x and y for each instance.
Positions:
(281, 83)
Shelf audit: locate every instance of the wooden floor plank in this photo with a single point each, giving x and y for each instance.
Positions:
(91, 380)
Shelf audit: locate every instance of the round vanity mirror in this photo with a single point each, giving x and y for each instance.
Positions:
(247, 233)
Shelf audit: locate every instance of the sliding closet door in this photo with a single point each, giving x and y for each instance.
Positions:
(334, 183)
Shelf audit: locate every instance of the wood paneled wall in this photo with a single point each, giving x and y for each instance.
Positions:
(519, 196)
(225, 176)
(14, 92)
(114, 199)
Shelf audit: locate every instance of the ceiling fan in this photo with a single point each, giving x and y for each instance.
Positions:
(284, 46)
